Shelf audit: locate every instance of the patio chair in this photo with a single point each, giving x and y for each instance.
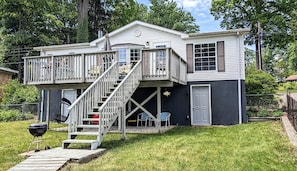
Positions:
(165, 117)
(142, 117)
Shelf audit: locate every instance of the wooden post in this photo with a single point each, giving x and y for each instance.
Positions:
(123, 114)
(159, 107)
(123, 124)
(48, 108)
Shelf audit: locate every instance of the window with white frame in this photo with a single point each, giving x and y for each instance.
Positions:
(122, 56)
(128, 55)
(161, 57)
(205, 56)
(134, 55)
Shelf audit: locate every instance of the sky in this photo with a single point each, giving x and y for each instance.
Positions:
(200, 10)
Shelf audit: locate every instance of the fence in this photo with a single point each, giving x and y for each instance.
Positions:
(263, 105)
(292, 110)
(24, 108)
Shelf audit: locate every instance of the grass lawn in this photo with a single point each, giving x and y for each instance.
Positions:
(15, 139)
(253, 146)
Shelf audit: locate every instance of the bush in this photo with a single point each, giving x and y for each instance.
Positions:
(9, 115)
(14, 115)
(262, 113)
(16, 93)
(288, 86)
(259, 82)
(277, 113)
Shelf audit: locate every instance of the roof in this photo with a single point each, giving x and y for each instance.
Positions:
(8, 70)
(140, 23)
(65, 46)
(240, 31)
(291, 78)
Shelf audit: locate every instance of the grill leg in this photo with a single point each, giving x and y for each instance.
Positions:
(31, 143)
(37, 140)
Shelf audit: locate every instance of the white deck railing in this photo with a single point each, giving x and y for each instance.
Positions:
(89, 100)
(73, 68)
(163, 64)
(157, 64)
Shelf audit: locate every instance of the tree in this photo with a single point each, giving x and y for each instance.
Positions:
(114, 14)
(83, 30)
(249, 57)
(165, 13)
(272, 15)
(125, 12)
(25, 24)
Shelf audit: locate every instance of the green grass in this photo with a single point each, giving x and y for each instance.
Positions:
(253, 146)
(15, 139)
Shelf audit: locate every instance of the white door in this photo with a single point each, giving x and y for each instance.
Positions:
(71, 96)
(200, 105)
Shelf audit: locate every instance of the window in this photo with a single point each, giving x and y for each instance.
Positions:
(134, 55)
(205, 57)
(122, 57)
(128, 55)
(161, 57)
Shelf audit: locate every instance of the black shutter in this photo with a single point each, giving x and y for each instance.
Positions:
(221, 56)
(190, 58)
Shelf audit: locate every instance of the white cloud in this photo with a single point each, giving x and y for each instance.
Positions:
(201, 5)
(200, 9)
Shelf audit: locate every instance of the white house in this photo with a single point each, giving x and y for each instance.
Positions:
(198, 78)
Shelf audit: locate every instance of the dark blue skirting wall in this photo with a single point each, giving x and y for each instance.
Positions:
(55, 104)
(224, 102)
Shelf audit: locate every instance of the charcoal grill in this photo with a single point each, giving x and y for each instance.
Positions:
(37, 130)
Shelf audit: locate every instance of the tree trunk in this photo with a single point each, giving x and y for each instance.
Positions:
(83, 7)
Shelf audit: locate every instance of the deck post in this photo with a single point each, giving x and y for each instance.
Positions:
(48, 108)
(159, 107)
(123, 124)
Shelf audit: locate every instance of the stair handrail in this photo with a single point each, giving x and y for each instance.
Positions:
(84, 102)
(119, 86)
(91, 86)
(121, 99)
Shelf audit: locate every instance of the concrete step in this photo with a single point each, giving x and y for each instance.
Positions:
(94, 143)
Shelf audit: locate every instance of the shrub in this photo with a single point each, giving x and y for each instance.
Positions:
(288, 86)
(14, 115)
(16, 93)
(9, 115)
(262, 113)
(277, 113)
(259, 82)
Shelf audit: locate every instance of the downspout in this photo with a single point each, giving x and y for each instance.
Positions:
(239, 80)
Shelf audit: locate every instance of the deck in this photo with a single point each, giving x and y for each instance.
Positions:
(161, 64)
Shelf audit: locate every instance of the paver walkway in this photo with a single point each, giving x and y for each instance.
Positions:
(56, 158)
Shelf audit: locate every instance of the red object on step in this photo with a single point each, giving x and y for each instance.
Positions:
(95, 117)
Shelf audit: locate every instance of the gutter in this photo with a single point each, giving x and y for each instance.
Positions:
(239, 80)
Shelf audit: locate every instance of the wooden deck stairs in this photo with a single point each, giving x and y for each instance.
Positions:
(97, 109)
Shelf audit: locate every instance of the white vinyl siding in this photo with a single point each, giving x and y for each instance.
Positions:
(233, 59)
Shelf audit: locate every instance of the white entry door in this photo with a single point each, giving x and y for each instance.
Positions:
(200, 105)
(71, 96)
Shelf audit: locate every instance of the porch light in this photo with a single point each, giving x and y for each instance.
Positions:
(166, 93)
